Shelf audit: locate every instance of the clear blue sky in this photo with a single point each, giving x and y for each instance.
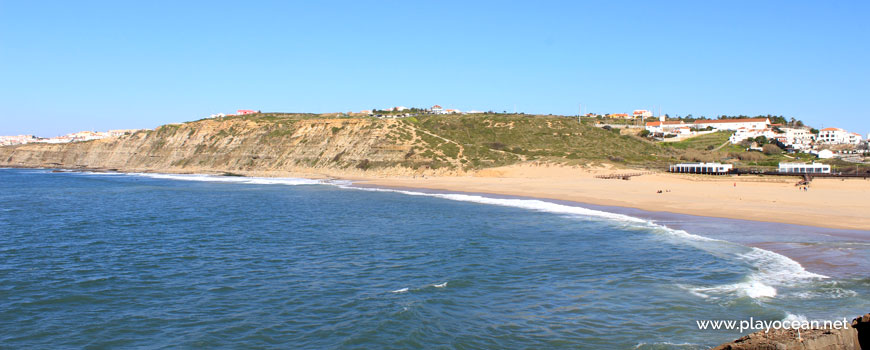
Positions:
(71, 65)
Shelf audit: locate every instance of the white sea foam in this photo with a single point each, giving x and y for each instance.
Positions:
(403, 290)
(771, 270)
(440, 285)
(232, 179)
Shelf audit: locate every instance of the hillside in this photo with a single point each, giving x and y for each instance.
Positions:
(303, 142)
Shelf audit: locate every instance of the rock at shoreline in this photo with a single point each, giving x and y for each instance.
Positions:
(857, 337)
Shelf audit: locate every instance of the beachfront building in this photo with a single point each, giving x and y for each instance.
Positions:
(837, 136)
(701, 168)
(801, 168)
(662, 127)
(734, 124)
(642, 113)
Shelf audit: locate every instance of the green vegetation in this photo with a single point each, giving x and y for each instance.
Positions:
(703, 142)
(500, 139)
(446, 142)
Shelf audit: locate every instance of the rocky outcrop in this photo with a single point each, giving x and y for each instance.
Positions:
(857, 337)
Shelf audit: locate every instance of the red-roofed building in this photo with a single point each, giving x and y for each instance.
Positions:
(246, 112)
(734, 124)
(664, 126)
(838, 136)
(642, 113)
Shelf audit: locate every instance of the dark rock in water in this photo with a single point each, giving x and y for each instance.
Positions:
(862, 325)
(852, 338)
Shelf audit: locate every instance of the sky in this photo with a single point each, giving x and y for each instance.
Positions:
(68, 66)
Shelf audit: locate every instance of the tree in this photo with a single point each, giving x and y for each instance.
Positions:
(645, 133)
(760, 140)
(771, 149)
(814, 131)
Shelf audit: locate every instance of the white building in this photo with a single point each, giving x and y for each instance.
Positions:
(642, 113)
(798, 137)
(17, 140)
(733, 124)
(801, 168)
(746, 133)
(825, 154)
(664, 126)
(837, 136)
(701, 168)
(436, 109)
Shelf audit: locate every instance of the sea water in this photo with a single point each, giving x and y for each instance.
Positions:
(107, 260)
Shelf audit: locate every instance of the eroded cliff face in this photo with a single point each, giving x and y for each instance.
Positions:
(290, 145)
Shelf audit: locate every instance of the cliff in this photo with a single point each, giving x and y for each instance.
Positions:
(315, 144)
(855, 338)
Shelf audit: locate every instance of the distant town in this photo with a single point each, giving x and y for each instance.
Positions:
(789, 135)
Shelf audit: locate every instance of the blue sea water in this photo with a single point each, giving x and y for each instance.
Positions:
(184, 261)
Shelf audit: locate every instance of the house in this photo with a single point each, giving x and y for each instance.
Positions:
(733, 124)
(837, 136)
(801, 168)
(747, 133)
(664, 126)
(619, 116)
(436, 109)
(246, 112)
(798, 137)
(825, 154)
(642, 113)
(701, 168)
(452, 111)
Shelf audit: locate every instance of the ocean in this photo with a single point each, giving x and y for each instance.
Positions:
(109, 260)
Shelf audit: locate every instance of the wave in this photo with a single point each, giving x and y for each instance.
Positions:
(397, 291)
(770, 269)
(231, 179)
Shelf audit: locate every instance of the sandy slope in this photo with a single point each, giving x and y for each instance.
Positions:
(828, 203)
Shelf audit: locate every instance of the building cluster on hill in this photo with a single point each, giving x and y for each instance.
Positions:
(238, 112)
(404, 112)
(803, 138)
(73, 137)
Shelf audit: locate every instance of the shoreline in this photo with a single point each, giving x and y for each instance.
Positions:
(753, 233)
(828, 203)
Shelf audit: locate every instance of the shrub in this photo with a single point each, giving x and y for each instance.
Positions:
(364, 164)
(645, 133)
(771, 149)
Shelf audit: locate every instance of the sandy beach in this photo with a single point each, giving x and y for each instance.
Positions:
(831, 203)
